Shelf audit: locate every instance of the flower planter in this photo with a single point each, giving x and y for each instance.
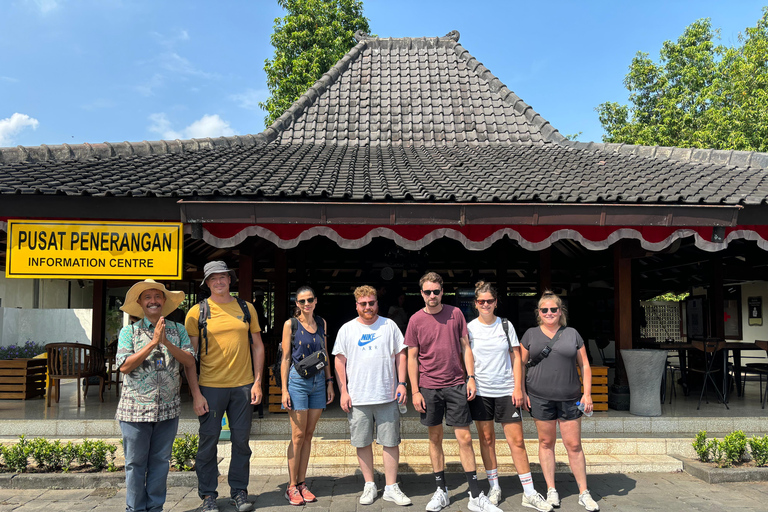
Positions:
(21, 379)
(644, 371)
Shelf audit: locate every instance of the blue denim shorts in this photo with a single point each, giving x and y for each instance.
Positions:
(306, 393)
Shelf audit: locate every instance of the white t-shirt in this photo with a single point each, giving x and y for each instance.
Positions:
(370, 351)
(493, 366)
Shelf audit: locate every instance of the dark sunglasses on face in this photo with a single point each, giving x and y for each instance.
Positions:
(545, 310)
(431, 292)
(306, 301)
(369, 303)
(483, 302)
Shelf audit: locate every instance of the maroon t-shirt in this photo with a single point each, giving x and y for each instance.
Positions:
(438, 338)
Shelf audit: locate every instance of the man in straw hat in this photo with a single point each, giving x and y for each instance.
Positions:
(231, 357)
(150, 353)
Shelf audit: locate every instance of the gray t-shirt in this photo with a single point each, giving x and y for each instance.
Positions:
(555, 377)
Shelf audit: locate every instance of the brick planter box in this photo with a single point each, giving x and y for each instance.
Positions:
(21, 379)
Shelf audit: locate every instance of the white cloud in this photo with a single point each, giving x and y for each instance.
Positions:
(179, 65)
(45, 6)
(148, 88)
(8, 79)
(10, 126)
(206, 126)
(250, 98)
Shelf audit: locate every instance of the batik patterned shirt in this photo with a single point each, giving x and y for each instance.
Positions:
(151, 390)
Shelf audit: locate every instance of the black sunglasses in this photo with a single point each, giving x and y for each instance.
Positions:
(432, 292)
(369, 303)
(306, 301)
(483, 302)
(545, 310)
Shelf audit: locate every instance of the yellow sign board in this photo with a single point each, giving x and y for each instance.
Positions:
(54, 249)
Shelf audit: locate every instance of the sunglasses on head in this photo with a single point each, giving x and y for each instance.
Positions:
(306, 301)
(545, 310)
(369, 303)
(431, 292)
(483, 302)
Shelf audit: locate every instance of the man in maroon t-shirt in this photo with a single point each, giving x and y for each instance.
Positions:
(438, 343)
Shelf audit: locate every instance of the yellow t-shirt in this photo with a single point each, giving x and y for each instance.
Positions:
(227, 364)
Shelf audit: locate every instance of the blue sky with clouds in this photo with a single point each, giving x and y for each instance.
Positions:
(74, 71)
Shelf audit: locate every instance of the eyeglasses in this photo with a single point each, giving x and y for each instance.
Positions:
(369, 303)
(545, 310)
(306, 301)
(432, 292)
(483, 302)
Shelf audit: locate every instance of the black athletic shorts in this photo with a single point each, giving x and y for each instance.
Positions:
(500, 409)
(449, 402)
(548, 410)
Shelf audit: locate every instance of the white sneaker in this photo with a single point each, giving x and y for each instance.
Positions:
(494, 495)
(586, 501)
(537, 501)
(481, 504)
(395, 495)
(552, 497)
(439, 500)
(369, 493)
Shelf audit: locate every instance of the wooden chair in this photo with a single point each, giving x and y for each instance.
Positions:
(113, 372)
(74, 361)
(710, 348)
(759, 369)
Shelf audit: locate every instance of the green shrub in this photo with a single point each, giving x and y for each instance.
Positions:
(759, 448)
(17, 456)
(98, 454)
(701, 446)
(184, 452)
(719, 457)
(734, 446)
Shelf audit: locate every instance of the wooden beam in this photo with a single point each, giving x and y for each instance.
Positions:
(545, 270)
(716, 298)
(245, 276)
(622, 308)
(281, 290)
(98, 320)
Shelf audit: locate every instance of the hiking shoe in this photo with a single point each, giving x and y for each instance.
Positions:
(494, 495)
(369, 493)
(395, 495)
(240, 501)
(439, 500)
(209, 504)
(586, 501)
(293, 495)
(481, 504)
(552, 497)
(306, 493)
(537, 501)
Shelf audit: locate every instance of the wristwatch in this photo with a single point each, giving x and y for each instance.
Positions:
(470, 377)
(402, 384)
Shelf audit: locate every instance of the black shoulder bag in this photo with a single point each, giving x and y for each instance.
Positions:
(315, 361)
(546, 350)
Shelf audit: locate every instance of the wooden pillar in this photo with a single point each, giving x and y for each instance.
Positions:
(98, 326)
(245, 276)
(281, 289)
(502, 279)
(622, 308)
(545, 270)
(716, 299)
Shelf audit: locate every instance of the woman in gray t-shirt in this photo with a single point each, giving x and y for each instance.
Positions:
(553, 391)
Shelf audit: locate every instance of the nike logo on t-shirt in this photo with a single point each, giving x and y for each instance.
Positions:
(366, 339)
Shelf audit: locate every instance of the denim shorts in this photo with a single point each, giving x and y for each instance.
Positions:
(309, 393)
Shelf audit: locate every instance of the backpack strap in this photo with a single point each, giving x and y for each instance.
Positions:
(546, 350)
(246, 315)
(505, 326)
(202, 324)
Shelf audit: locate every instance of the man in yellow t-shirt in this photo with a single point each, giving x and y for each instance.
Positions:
(231, 360)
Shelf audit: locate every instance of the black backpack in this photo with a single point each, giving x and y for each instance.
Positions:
(277, 365)
(202, 326)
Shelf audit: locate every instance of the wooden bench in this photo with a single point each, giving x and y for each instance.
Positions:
(74, 361)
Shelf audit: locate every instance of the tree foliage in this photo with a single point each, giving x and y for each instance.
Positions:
(700, 94)
(308, 41)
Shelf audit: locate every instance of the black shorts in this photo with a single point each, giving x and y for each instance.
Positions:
(500, 409)
(548, 410)
(449, 402)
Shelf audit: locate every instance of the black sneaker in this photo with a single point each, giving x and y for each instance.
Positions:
(240, 501)
(209, 505)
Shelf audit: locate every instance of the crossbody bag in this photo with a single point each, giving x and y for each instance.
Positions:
(546, 350)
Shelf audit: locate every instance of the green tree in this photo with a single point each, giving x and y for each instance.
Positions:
(700, 94)
(308, 41)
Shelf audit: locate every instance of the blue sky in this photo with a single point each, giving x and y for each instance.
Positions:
(74, 71)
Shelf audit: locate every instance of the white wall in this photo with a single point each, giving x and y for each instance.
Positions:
(45, 325)
(751, 333)
(20, 293)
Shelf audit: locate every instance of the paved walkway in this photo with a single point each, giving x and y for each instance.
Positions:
(617, 492)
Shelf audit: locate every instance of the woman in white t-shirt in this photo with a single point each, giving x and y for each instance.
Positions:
(499, 379)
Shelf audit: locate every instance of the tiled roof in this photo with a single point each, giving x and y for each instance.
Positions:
(396, 120)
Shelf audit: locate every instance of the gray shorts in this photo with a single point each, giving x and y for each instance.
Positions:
(362, 418)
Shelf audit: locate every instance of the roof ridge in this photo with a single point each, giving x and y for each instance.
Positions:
(754, 159)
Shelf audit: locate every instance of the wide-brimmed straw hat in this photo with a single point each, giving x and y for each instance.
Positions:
(216, 267)
(133, 308)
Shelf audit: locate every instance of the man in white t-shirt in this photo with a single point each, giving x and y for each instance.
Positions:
(371, 365)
